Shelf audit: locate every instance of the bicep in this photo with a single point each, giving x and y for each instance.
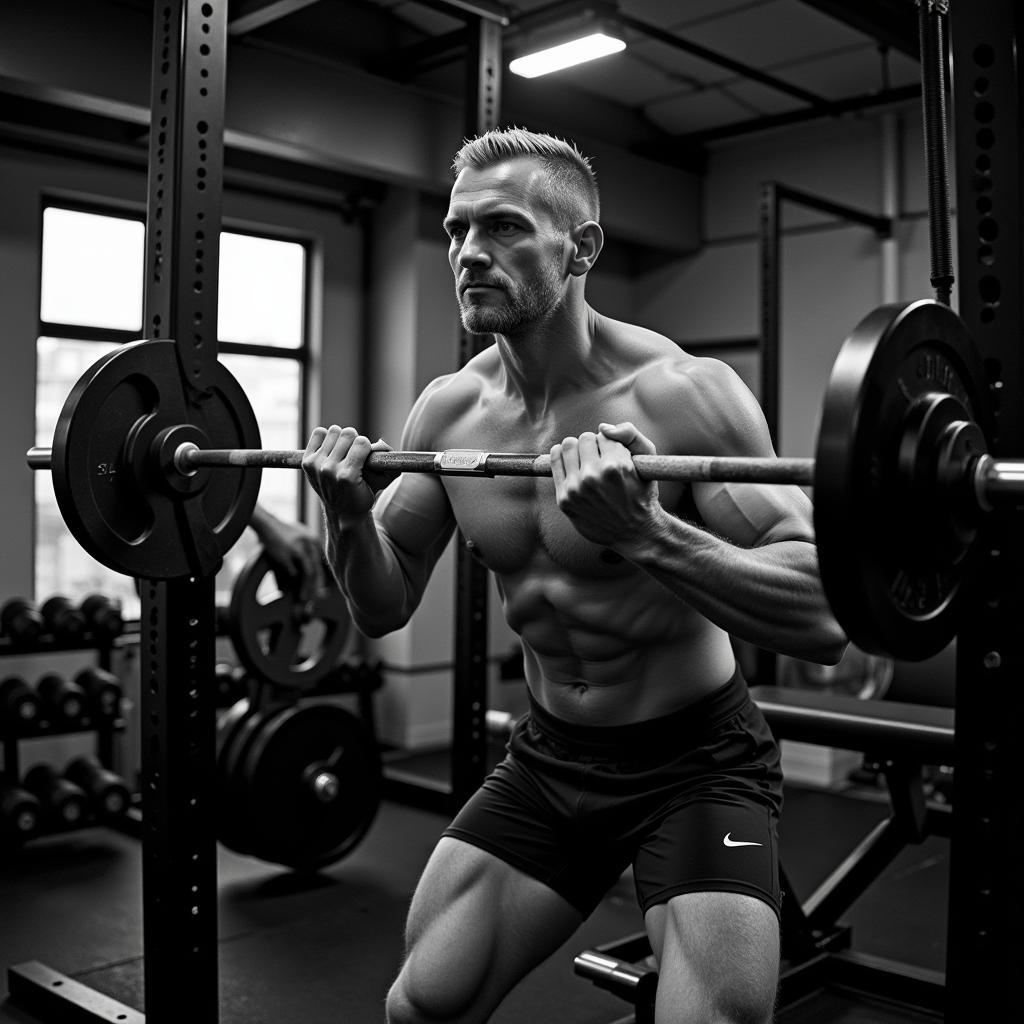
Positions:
(754, 514)
(414, 514)
(731, 422)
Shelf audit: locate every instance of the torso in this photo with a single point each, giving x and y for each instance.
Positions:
(604, 643)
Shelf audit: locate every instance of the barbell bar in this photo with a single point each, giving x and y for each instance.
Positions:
(189, 457)
(991, 480)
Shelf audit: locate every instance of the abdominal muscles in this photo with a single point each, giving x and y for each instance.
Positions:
(611, 650)
(604, 643)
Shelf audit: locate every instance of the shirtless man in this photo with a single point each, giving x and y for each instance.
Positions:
(641, 746)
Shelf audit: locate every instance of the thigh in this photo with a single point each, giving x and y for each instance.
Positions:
(476, 926)
(718, 958)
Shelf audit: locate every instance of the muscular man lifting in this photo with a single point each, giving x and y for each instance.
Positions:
(641, 746)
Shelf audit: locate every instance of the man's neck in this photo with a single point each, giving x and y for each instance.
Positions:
(551, 360)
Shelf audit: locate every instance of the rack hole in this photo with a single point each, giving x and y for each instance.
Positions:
(988, 229)
(990, 289)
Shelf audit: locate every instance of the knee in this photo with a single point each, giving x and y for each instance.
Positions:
(435, 999)
(724, 1009)
(735, 1008)
(399, 1008)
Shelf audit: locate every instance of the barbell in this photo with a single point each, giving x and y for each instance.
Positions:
(901, 472)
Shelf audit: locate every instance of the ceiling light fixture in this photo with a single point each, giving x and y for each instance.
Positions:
(566, 55)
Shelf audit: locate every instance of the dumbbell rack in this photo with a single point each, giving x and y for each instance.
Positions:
(104, 728)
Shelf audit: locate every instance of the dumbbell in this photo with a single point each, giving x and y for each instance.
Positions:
(20, 621)
(102, 690)
(232, 683)
(107, 791)
(19, 704)
(64, 803)
(102, 616)
(63, 701)
(63, 619)
(20, 812)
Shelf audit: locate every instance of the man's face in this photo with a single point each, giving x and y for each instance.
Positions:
(505, 251)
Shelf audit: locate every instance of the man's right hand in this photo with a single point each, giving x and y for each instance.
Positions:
(334, 466)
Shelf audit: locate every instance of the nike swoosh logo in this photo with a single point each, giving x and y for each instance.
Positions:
(729, 841)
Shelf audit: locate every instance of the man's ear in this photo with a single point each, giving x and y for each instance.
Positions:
(587, 241)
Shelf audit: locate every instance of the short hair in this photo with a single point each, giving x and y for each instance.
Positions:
(571, 187)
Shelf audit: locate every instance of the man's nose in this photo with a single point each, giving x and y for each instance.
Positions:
(473, 252)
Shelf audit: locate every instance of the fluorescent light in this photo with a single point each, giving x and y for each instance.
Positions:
(555, 58)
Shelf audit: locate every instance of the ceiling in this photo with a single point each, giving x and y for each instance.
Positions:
(694, 71)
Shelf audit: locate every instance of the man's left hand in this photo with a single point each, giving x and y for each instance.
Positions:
(597, 487)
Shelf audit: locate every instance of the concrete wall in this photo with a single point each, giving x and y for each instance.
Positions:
(831, 271)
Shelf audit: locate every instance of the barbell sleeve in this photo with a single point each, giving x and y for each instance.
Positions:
(39, 458)
(998, 480)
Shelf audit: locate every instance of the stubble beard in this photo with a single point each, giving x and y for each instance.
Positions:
(524, 304)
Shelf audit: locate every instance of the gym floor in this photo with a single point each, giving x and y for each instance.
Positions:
(324, 950)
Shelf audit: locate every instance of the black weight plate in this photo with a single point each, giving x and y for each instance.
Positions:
(235, 734)
(892, 587)
(294, 828)
(107, 489)
(281, 639)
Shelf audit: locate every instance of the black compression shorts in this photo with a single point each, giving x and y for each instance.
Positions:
(691, 800)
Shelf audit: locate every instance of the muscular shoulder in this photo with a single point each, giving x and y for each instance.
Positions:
(704, 405)
(444, 400)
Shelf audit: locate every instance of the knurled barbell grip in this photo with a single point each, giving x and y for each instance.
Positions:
(476, 463)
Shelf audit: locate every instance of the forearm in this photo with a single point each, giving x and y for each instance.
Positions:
(770, 595)
(260, 521)
(369, 573)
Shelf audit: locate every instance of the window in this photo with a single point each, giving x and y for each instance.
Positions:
(91, 297)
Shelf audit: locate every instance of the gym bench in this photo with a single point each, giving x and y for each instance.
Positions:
(902, 738)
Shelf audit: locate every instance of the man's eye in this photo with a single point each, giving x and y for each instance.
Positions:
(456, 233)
(503, 227)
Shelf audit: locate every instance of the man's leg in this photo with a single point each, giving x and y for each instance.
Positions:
(476, 927)
(718, 959)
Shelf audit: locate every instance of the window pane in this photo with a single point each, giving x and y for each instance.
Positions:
(62, 566)
(92, 270)
(261, 290)
(274, 390)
